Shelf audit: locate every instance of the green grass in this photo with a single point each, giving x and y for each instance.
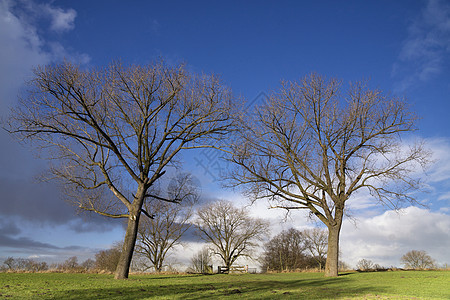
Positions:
(377, 285)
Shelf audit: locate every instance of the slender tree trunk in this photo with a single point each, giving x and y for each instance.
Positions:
(331, 266)
(123, 267)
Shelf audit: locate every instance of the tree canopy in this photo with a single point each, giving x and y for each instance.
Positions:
(313, 145)
(113, 131)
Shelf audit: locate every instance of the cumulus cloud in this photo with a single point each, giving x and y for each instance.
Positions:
(385, 238)
(22, 47)
(425, 50)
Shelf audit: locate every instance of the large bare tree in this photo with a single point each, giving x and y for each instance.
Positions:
(231, 232)
(312, 146)
(116, 129)
(162, 232)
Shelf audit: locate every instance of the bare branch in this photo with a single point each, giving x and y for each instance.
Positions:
(120, 127)
(312, 146)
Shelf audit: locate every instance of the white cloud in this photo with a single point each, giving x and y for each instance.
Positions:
(61, 20)
(60, 53)
(439, 171)
(445, 196)
(426, 48)
(386, 237)
(20, 49)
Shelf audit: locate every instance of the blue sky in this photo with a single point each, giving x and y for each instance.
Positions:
(403, 47)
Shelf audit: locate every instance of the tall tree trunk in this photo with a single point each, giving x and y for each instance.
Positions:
(123, 267)
(331, 266)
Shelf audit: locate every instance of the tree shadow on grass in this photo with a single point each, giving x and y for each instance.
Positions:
(249, 288)
(159, 277)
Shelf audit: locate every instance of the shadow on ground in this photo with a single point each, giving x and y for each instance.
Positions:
(247, 287)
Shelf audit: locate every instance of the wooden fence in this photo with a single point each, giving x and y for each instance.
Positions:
(233, 269)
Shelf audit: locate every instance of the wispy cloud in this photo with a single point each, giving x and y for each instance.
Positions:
(439, 170)
(61, 20)
(426, 48)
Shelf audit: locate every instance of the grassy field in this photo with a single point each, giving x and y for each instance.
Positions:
(377, 285)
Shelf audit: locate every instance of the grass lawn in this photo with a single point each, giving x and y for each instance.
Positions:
(377, 285)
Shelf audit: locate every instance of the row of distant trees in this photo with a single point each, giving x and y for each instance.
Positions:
(281, 257)
(414, 259)
(105, 260)
(31, 265)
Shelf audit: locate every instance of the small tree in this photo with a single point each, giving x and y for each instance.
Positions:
(365, 265)
(69, 264)
(88, 264)
(416, 259)
(343, 266)
(201, 261)
(10, 263)
(231, 232)
(317, 244)
(169, 221)
(285, 251)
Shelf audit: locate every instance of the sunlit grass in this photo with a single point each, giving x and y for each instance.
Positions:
(376, 285)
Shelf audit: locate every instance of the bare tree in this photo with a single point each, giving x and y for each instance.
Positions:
(286, 251)
(365, 265)
(312, 147)
(169, 221)
(317, 244)
(108, 259)
(201, 261)
(118, 128)
(230, 230)
(416, 259)
(25, 264)
(88, 264)
(10, 263)
(70, 264)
